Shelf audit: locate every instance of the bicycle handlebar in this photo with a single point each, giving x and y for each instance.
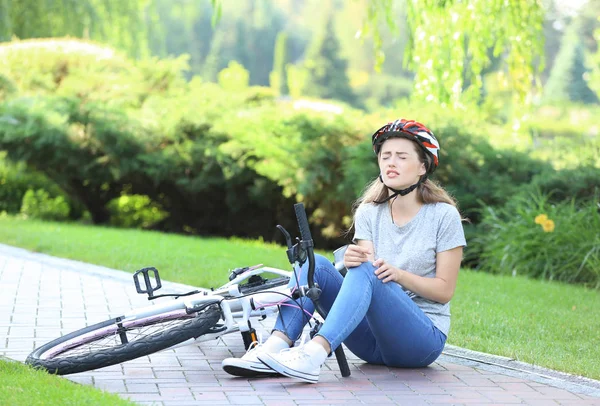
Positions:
(307, 243)
(302, 222)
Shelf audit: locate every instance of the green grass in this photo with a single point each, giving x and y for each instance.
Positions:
(22, 385)
(544, 323)
(550, 324)
(196, 261)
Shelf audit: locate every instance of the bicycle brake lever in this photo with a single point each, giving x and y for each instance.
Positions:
(288, 238)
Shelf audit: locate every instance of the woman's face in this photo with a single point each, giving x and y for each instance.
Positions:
(399, 163)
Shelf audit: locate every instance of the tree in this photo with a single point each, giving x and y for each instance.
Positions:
(278, 78)
(115, 22)
(567, 81)
(181, 27)
(445, 35)
(327, 75)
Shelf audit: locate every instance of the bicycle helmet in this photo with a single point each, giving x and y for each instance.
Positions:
(413, 131)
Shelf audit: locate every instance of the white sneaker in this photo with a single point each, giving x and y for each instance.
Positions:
(248, 365)
(294, 362)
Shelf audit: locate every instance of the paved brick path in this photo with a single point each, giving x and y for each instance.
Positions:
(43, 297)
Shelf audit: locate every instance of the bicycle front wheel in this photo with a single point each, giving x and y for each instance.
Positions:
(114, 341)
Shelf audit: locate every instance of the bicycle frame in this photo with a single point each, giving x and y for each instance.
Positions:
(237, 309)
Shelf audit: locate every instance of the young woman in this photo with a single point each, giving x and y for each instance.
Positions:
(393, 306)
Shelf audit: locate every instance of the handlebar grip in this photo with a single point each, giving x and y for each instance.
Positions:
(302, 222)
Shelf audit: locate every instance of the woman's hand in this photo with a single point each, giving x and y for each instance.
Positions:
(386, 272)
(356, 255)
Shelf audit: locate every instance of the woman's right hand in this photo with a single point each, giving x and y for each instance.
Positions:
(356, 255)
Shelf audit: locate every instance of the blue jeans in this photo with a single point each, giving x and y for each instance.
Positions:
(377, 321)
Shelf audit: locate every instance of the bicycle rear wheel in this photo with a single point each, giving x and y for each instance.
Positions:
(114, 341)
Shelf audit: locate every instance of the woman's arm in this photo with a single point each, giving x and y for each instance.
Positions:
(439, 289)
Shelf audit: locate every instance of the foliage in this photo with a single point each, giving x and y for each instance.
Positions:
(327, 70)
(49, 135)
(227, 160)
(15, 180)
(234, 77)
(580, 183)
(590, 24)
(38, 204)
(567, 81)
(7, 87)
(248, 36)
(381, 90)
(153, 138)
(120, 24)
(566, 135)
(297, 78)
(135, 211)
(449, 43)
(530, 236)
(278, 77)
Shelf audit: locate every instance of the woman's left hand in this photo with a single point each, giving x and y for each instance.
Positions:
(386, 272)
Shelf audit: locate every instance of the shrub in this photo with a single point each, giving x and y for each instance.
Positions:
(582, 183)
(15, 180)
(7, 87)
(530, 236)
(135, 211)
(39, 204)
(566, 135)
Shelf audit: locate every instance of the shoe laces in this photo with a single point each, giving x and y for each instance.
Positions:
(255, 345)
(294, 353)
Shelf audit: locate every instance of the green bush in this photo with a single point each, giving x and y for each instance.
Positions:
(582, 183)
(565, 135)
(135, 211)
(218, 161)
(39, 204)
(530, 236)
(383, 90)
(15, 180)
(7, 87)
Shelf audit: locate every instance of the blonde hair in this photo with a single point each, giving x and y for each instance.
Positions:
(427, 192)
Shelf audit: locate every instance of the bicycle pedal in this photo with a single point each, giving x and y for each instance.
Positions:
(147, 282)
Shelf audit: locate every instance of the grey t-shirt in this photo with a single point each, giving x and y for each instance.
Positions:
(413, 247)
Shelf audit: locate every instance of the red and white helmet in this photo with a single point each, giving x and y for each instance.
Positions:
(411, 130)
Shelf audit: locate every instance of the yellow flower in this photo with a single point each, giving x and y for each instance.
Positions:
(541, 219)
(548, 226)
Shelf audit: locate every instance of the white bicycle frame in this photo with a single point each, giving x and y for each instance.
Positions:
(237, 308)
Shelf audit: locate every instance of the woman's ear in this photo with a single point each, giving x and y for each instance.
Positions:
(423, 169)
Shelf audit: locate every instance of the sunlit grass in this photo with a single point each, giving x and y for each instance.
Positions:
(23, 385)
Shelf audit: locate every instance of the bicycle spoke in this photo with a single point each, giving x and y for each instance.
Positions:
(121, 336)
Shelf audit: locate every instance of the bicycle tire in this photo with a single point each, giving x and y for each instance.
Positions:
(50, 357)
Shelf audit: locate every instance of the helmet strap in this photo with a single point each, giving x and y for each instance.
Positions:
(401, 192)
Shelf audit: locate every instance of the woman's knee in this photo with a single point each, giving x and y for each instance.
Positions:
(322, 262)
(321, 271)
(366, 267)
(325, 271)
